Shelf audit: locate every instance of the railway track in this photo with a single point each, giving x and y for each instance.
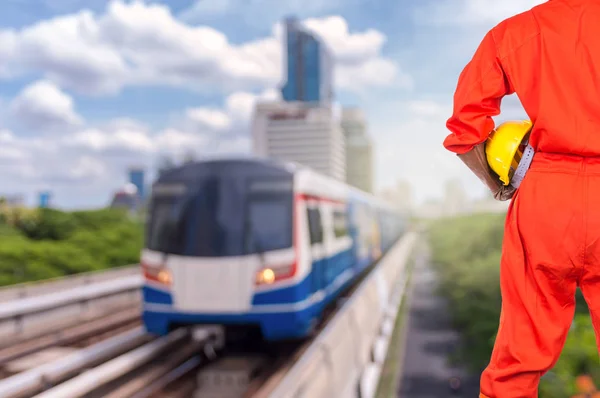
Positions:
(112, 357)
(242, 372)
(18, 354)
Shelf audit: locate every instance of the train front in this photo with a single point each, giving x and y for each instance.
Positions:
(220, 249)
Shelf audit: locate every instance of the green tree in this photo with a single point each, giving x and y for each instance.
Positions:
(47, 243)
(48, 224)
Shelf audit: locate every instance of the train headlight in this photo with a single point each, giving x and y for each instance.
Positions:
(274, 274)
(157, 274)
(265, 276)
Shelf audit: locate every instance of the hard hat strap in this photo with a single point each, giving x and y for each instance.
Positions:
(523, 166)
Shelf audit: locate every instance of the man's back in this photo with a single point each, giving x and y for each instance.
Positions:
(551, 56)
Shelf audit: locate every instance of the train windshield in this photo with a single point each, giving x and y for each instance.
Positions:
(268, 223)
(224, 216)
(162, 230)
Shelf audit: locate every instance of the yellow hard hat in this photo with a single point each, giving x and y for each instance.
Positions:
(504, 148)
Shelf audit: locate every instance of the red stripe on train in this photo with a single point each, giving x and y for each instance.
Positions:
(306, 197)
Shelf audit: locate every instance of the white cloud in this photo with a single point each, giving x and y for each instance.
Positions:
(95, 154)
(240, 105)
(133, 140)
(211, 118)
(6, 136)
(143, 44)
(349, 47)
(117, 140)
(177, 143)
(232, 119)
(88, 167)
(91, 163)
(9, 152)
(125, 123)
(374, 72)
(71, 50)
(43, 106)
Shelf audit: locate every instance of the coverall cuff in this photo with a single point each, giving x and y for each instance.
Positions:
(460, 146)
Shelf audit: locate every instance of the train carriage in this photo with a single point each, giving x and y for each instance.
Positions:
(249, 242)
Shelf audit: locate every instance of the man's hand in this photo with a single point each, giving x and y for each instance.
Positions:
(505, 192)
(476, 160)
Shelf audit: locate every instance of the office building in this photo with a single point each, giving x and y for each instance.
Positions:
(309, 66)
(136, 177)
(127, 197)
(359, 150)
(302, 133)
(455, 198)
(13, 200)
(44, 199)
(399, 196)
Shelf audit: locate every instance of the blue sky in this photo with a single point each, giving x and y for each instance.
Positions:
(88, 87)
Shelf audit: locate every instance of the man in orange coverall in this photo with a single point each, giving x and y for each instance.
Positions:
(550, 57)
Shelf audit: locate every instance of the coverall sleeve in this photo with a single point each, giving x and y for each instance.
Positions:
(481, 86)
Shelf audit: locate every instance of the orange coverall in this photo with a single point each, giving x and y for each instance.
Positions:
(550, 57)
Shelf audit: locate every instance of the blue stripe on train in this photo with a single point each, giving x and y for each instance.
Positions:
(154, 295)
(274, 324)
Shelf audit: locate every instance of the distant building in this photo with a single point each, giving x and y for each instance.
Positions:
(359, 150)
(309, 66)
(136, 177)
(299, 132)
(400, 196)
(456, 200)
(13, 200)
(45, 199)
(126, 198)
(431, 208)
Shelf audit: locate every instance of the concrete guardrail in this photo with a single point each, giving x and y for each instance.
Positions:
(38, 288)
(40, 312)
(345, 360)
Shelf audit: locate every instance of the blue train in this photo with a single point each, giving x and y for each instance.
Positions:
(252, 242)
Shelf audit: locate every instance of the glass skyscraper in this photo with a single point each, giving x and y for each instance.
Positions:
(309, 66)
(136, 177)
(44, 199)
